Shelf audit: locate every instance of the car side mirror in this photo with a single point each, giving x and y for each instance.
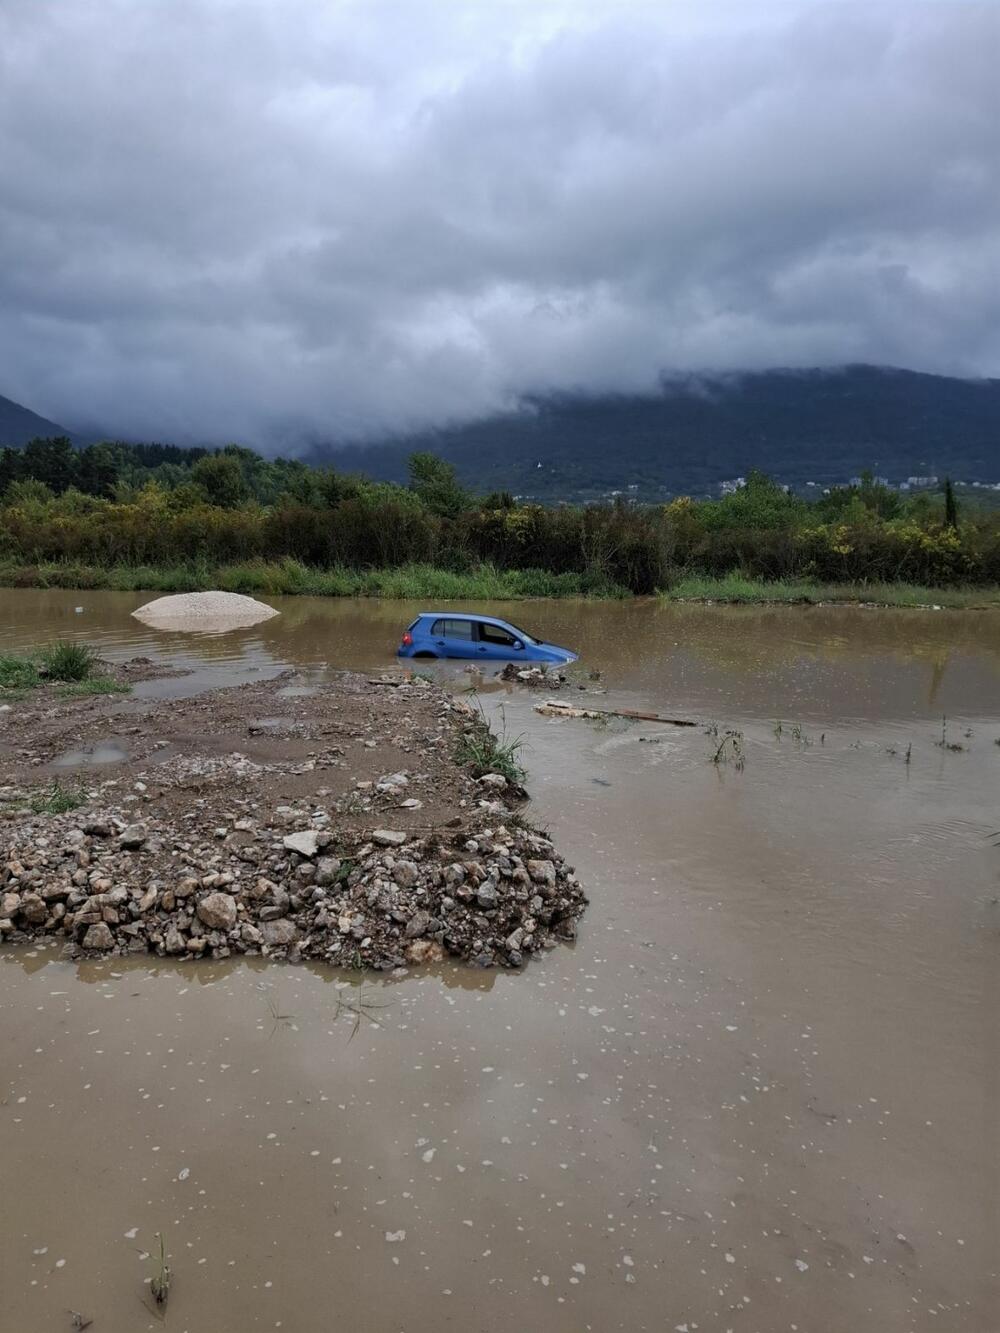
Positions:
(519, 645)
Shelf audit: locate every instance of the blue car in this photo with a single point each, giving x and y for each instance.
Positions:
(455, 634)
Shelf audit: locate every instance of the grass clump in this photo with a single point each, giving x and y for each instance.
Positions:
(57, 800)
(73, 665)
(68, 661)
(738, 589)
(18, 673)
(95, 685)
(484, 750)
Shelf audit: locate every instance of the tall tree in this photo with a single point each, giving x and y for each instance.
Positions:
(51, 461)
(435, 482)
(950, 505)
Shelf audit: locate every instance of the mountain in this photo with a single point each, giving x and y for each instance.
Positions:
(821, 426)
(18, 424)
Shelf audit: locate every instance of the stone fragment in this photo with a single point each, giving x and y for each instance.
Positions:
(279, 934)
(405, 874)
(99, 937)
(173, 940)
(327, 870)
(424, 951)
(385, 837)
(218, 911)
(305, 843)
(33, 909)
(133, 837)
(542, 872)
(417, 925)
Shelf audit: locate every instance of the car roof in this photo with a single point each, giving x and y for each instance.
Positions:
(462, 615)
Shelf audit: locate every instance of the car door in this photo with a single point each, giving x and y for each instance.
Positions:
(454, 637)
(497, 644)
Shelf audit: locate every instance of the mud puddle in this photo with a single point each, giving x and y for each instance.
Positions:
(91, 756)
(760, 1093)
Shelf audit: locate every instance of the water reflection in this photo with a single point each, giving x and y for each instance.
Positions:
(722, 660)
(208, 972)
(758, 1088)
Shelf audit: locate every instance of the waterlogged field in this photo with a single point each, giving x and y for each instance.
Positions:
(760, 1092)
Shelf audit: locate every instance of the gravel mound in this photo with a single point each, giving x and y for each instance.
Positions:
(204, 610)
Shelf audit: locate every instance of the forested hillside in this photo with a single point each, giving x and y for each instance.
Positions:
(799, 426)
(19, 424)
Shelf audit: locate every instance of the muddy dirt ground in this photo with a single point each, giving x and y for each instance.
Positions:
(331, 821)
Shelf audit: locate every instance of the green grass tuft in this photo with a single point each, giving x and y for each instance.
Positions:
(68, 661)
(737, 588)
(18, 673)
(290, 577)
(95, 685)
(484, 750)
(57, 800)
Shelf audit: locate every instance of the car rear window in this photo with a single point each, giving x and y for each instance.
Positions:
(452, 629)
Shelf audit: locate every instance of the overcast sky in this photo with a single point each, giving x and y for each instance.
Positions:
(243, 219)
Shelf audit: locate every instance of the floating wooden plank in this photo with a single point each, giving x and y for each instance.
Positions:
(556, 708)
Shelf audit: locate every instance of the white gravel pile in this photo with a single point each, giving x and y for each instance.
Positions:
(204, 611)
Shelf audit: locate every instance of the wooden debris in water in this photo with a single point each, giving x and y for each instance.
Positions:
(556, 708)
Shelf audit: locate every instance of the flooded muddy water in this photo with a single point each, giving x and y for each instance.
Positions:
(760, 1093)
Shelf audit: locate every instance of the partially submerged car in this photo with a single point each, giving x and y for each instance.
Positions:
(477, 638)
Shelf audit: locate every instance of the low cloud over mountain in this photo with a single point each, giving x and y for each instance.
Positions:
(291, 217)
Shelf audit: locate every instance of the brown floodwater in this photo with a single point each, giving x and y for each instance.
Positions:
(761, 1093)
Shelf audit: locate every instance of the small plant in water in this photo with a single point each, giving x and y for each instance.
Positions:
(944, 743)
(278, 1018)
(778, 729)
(361, 1008)
(731, 747)
(160, 1282)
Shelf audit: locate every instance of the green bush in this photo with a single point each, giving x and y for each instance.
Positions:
(68, 661)
(18, 673)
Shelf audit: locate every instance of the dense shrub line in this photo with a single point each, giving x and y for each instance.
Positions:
(284, 527)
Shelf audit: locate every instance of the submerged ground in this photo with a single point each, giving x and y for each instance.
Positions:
(759, 1093)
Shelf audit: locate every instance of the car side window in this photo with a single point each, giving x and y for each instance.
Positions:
(494, 634)
(453, 629)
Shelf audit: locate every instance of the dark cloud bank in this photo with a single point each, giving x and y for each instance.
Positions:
(253, 218)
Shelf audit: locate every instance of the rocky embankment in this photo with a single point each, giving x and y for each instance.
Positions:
(301, 843)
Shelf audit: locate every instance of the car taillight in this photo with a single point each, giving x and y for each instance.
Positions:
(407, 639)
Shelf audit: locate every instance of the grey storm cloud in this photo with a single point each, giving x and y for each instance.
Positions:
(269, 219)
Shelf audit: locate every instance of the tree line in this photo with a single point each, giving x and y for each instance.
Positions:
(157, 505)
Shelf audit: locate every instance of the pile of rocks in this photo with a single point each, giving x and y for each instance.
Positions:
(491, 893)
(533, 676)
